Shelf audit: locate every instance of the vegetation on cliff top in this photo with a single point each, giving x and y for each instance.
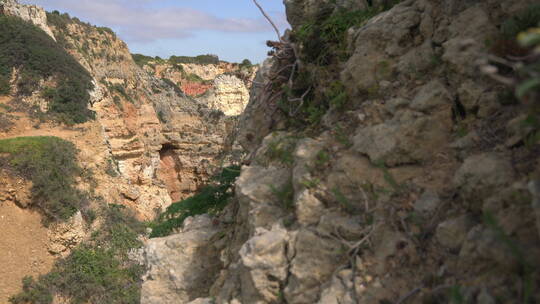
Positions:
(51, 164)
(97, 271)
(61, 21)
(210, 199)
(37, 56)
(200, 59)
(322, 42)
(142, 60)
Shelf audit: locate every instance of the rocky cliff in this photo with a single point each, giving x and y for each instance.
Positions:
(221, 85)
(162, 143)
(391, 157)
(149, 144)
(385, 166)
(30, 13)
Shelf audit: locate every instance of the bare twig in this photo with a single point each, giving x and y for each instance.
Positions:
(291, 77)
(356, 246)
(301, 99)
(353, 278)
(269, 19)
(366, 200)
(410, 294)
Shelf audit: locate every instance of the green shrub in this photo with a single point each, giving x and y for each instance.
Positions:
(112, 167)
(201, 59)
(28, 48)
(246, 63)
(122, 91)
(282, 150)
(50, 163)
(98, 271)
(5, 86)
(284, 195)
(161, 117)
(195, 78)
(521, 22)
(324, 38)
(104, 29)
(60, 21)
(142, 60)
(6, 122)
(33, 292)
(210, 199)
(175, 87)
(316, 88)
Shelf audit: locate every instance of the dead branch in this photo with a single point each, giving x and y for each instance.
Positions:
(301, 99)
(269, 19)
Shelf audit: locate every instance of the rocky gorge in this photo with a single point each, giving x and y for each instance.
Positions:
(389, 153)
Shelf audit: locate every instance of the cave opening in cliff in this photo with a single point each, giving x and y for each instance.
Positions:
(169, 170)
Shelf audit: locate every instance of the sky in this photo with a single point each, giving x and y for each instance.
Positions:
(232, 29)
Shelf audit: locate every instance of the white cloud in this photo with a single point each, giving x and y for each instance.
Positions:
(138, 22)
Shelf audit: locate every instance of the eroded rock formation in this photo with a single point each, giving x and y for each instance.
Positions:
(390, 201)
(30, 13)
(223, 86)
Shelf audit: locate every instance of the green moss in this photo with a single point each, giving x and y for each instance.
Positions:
(50, 163)
(37, 56)
(209, 199)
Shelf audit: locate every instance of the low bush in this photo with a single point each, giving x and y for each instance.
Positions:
(51, 164)
(201, 59)
(122, 91)
(246, 63)
(38, 56)
(324, 37)
(195, 78)
(316, 88)
(173, 85)
(142, 60)
(210, 199)
(98, 271)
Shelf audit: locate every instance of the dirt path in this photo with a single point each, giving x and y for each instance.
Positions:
(23, 248)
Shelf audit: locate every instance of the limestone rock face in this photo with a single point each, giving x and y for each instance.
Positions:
(256, 122)
(416, 176)
(155, 144)
(180, 266)
(31, 13)
(65, 236)
(163, 144)
(229, 95)
(197, 79)
(209, 71)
